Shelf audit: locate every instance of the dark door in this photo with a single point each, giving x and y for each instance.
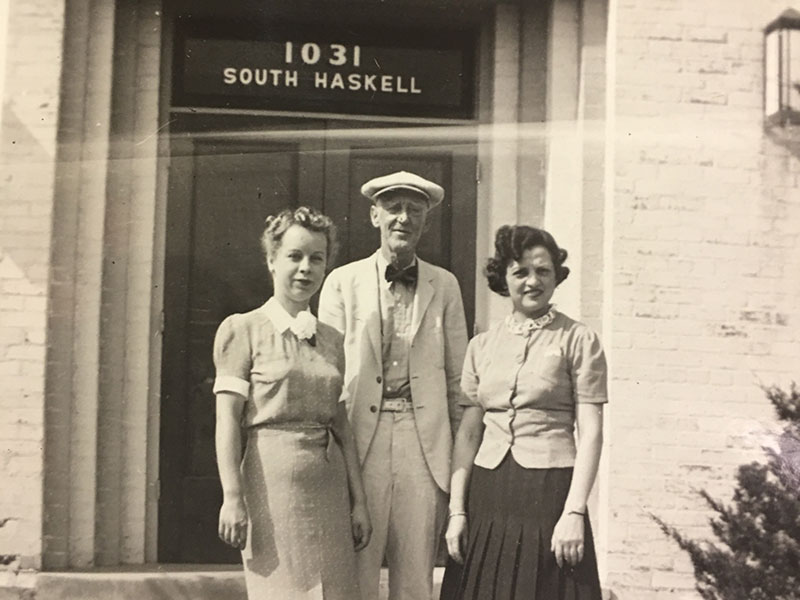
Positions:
(222, 184)
(221, 187)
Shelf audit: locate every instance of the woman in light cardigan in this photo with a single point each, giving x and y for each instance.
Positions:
(518, 526)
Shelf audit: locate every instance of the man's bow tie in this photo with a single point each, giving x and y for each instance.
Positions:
(407, 276)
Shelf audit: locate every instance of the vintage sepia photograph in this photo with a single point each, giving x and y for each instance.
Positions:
(399, 300)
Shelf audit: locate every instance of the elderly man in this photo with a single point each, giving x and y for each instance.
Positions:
(405, 339)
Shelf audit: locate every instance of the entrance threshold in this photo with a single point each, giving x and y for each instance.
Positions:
(144, 582)
(160, 581)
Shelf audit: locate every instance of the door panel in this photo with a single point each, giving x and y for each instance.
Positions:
(233, 194)
(449, 237)
(220, 192)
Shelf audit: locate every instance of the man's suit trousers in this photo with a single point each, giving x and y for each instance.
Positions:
(407, 510)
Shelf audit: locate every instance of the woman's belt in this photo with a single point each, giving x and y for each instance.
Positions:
(299, 427)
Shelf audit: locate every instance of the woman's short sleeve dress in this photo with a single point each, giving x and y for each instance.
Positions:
(299, 542)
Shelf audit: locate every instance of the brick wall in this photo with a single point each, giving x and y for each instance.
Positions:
(706, 298)
(30, 101)
(70, 269)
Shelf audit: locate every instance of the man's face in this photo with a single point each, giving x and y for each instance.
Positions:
(400, 216)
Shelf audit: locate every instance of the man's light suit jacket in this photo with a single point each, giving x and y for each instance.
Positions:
(350, 303)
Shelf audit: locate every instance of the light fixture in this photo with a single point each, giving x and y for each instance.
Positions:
(782, 70)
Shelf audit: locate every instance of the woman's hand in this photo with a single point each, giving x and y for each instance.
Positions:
(232, 528)
(567, 541)
(456, 536)
(233, 522)
(361, 526)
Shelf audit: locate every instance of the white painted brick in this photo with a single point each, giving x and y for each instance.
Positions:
(10, 367)
(31, 87)
(733, 220)
(25, 352)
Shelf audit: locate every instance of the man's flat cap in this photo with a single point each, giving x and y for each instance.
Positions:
(403, 180)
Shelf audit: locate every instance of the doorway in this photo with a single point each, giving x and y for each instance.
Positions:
(226, 174)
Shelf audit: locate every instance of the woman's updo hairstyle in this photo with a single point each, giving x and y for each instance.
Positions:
(275, 227)
(510, 243)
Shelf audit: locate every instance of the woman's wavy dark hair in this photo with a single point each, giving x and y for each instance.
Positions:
(510, 242)
(305, 216)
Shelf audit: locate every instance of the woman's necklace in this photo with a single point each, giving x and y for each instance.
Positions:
(529, 325)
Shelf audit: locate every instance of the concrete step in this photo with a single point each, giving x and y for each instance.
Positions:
(160, 582)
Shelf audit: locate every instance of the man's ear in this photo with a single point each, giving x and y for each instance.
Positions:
(373, 216)
(426, 225)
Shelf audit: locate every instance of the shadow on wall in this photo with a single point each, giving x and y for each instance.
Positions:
(787, 137)
(24, 160)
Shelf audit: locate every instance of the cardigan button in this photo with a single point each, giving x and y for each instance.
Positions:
(379, 379)
(373, 408)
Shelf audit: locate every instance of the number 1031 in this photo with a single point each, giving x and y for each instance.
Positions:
(334, 54)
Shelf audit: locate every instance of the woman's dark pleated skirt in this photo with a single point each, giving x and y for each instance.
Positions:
(512, 513)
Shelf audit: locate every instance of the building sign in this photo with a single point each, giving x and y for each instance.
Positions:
(388, 72)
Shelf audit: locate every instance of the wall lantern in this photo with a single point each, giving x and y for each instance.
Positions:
(782, 70)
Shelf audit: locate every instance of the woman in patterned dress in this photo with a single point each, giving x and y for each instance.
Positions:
(518, 527)
(294, 503)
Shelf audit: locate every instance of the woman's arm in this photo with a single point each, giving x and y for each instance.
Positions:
(359, 516)
(468, 440)
(228, 439)
(568, 535)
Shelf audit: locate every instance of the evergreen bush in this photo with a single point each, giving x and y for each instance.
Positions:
(757, 555)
